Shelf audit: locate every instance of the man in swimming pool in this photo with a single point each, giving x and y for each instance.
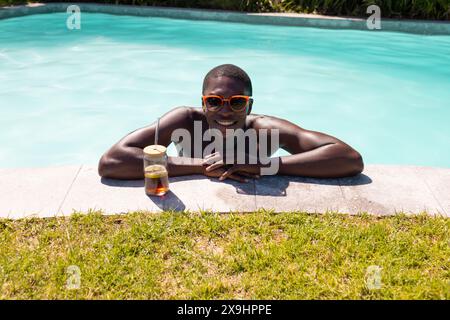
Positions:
(226, 107)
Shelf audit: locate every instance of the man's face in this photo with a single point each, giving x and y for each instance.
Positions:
(225, 118)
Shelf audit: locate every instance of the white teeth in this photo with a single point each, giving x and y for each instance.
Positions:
(225, 123)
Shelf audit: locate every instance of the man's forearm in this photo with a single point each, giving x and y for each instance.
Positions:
(182, 166)
(130, 166)
(329, 161)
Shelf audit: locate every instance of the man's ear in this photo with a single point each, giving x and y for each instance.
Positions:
(250, 104)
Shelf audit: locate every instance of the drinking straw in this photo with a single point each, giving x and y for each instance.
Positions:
(157, 130)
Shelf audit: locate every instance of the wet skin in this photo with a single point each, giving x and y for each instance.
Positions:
(312, 154)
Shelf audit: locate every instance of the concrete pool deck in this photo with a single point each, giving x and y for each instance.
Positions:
(380, 190)
(429, 27)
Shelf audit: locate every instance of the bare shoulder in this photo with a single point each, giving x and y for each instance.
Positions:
(182, 116)
(182, 112)
(195, 113)
(175, 118)
(258, 121)
(293, 138)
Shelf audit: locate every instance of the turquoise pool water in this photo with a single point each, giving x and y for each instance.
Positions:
(67, 95)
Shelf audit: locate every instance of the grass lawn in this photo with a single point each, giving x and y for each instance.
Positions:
(231, 256)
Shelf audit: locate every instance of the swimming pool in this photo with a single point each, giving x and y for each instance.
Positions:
(67, 95)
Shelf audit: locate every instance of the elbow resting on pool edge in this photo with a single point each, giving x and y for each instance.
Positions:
(350, 162)
(357, 163)
(102, 167)
(106, 167)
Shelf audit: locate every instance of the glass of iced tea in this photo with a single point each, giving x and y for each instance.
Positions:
(155, 170)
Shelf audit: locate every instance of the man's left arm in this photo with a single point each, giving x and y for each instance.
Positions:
(314, 154)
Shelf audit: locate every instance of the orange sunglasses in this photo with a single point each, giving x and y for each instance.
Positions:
(215, 103)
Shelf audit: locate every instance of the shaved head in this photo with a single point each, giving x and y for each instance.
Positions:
(230, 71)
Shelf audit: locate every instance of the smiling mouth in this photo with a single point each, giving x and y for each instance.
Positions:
(225, 123)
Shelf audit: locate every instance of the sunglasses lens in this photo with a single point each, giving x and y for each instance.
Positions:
(213, 102)
(238, 103)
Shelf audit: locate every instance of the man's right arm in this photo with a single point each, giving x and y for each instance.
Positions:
(124, 160)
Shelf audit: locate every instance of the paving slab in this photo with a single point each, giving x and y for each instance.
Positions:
(192, 193)
(200, 193)
(392, 189)
(382, 190)
(283, 193)
(90, 191)
(28, 192)
(438, 181)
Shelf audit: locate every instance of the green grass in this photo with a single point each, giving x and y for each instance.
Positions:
(204, 256)
(12, 2)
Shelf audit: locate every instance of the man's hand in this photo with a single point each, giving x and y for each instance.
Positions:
(217, 168)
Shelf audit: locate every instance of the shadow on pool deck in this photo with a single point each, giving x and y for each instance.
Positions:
(277, 185)
(122, 183)
(265, 186)
(169, 201)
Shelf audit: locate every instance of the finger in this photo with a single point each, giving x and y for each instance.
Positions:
(249, 175)
(215, 166)
(238, 178)
(227, 173)
(212, 158)
(208, 161)
(210, 155)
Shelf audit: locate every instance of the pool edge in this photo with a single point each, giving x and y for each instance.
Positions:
(380, 190)
(421, 27)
